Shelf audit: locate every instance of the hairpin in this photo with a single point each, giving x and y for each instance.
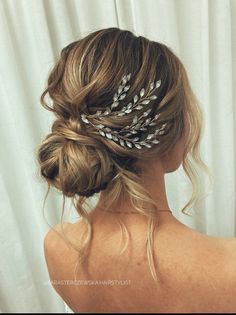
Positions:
(139, 123)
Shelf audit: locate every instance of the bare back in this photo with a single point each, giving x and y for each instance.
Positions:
(195, 272)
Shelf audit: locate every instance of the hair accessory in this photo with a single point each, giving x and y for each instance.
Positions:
(139, 123)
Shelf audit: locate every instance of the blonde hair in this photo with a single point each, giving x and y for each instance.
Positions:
(84, 79)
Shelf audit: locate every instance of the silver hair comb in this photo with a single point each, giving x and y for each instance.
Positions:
(141, 123)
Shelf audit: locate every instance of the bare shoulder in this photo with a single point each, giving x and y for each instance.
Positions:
(227, 275)
(55, 245)
(230, 248)
(231, 245)
(204, 265)
(54, 237)
(219, 257)
(216, 255)
(61, 238)
(60, 249)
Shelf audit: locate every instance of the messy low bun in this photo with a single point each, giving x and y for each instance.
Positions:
(74, 163)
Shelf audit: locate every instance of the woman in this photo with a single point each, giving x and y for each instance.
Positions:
(126, 116)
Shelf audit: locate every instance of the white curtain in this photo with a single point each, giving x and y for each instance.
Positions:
(32, 33)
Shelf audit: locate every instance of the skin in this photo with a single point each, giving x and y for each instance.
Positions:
(197, 273)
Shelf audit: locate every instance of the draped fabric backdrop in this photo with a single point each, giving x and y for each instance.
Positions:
(32, 33)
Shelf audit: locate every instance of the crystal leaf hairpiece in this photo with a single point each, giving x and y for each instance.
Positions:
(141, 123)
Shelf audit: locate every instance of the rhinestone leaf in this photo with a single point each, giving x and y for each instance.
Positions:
(150, 136)
(135, 98)
(135, 119)
(107, 111)
(115, 138)
(129, 105)
(147, 145)
(100, 126)
(128, 76)
(138, 146)
(147, 120)
(122, 96)
(124, 79)
(129, 144)
(138, 107)
(152, 86)
(126, 88)
(145, 102)
(134, 131)
(107, 129)
(155, 141)
(121, 114)
(109, 136)
(128, 111)
(120, 88)
(136, 139)
(158, 83)
(115, 97)
(122, 142)
(153, 97)
(102, 133)
(143, 128)
(142, 92)
(156, 116)
(84, 119)
(152, 124)
(115, 104)
(147, 112)
(98, 112)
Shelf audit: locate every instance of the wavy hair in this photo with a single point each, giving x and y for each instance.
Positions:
(78, 161)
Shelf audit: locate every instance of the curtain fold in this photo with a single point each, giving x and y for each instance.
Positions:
(32, 34)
